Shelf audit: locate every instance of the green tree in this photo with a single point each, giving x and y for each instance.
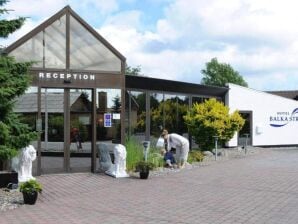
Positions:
(14, 80)
(212, 118)
(218, 74)
(133, 71)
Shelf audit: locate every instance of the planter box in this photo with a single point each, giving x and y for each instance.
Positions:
(7, 177)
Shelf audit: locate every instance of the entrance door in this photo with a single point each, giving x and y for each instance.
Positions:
(52, 136)
(244, 136)
(66, 137)
(80, 109)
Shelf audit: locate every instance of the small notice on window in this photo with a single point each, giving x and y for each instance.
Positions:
(107, 120)
(116, 116)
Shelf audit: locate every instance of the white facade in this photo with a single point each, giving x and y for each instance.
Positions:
(274, 118)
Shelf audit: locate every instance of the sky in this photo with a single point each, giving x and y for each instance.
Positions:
(174, 39)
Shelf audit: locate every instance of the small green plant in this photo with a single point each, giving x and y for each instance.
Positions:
(134, 153)
(156, 159)
(195, 156)
(31, 186)
(144, 166)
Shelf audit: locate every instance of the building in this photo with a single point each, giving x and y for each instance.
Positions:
(71, 58)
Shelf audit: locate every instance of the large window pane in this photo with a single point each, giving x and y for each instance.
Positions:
(88, 53)
(136, 114)
(108, 118)
(55, 44)
(31, 50)
(156, 114)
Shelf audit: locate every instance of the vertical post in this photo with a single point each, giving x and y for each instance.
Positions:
(46, 118)
(246, 141)
(66, 164)
(93, 131)
(147, 132)
(39, 129)
(216, 139)
(146, 145)
(122, 113)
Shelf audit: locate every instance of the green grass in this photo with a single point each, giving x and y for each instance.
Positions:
(134, 153)
(135, 150)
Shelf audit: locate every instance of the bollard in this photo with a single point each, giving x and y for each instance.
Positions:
(216, 139)
(246, 139)
(146, 145)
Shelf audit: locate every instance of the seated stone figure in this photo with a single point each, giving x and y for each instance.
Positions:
(26, 157)
(118, 169)
(105, 161)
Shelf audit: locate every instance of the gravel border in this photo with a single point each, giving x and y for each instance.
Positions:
(10, 199)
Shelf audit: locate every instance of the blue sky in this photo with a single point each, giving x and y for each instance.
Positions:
(173, 39)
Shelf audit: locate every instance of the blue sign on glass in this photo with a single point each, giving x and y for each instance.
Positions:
(107, 120)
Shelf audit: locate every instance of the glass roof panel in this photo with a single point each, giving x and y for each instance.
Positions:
(31, 50)
(88, 53)
(55, 44)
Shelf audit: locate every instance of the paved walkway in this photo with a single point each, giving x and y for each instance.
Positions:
(259, 188)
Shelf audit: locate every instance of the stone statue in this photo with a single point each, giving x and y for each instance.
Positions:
(118, 169)
(105, 161)
(27, 156)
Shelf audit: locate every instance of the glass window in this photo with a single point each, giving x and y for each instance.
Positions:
(156, 113)
(31, 50)
(136, 114)
(55, 44)
(108, 103)
(54, 51)
(88, 53)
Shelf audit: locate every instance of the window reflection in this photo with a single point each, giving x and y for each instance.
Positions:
(108, 120)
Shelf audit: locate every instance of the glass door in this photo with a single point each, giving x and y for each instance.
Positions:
(80, 108)
(52, 135)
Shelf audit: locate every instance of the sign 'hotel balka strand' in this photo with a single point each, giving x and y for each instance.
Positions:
(67, 76)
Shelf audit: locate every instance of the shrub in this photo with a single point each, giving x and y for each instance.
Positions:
(212, 118)
(195, 156)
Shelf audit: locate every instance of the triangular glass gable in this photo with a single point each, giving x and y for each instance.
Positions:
(54, 51)
(86, 51)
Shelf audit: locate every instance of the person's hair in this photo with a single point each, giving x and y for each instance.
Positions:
(164, 132)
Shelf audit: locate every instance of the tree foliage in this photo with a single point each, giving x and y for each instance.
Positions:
(9, 26)
(212, 118)
(218, 74)
(14, 80)
(133, 71)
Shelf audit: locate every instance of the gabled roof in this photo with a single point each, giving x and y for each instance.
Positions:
(65, 24)
(27, 103)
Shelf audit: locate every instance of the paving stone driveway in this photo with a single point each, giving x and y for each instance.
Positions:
(260, 188)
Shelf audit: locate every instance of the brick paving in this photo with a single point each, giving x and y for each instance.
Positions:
(259, 188)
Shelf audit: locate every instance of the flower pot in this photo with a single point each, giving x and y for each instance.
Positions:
(30, 197)
(144, 174)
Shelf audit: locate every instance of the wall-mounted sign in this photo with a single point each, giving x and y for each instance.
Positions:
(107, 120)
(283, 118)
(116, 116)
(65, 76)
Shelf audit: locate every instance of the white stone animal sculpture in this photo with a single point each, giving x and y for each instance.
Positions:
(118, 169)
(27, 156)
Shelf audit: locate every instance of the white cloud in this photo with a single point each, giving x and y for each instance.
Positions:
(124, 19)
(34, 8)
(257, 37)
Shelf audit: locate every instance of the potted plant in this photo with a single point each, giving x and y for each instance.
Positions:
(143, 167)
(30, 190)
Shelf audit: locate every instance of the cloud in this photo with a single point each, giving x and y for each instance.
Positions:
(256, 37)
